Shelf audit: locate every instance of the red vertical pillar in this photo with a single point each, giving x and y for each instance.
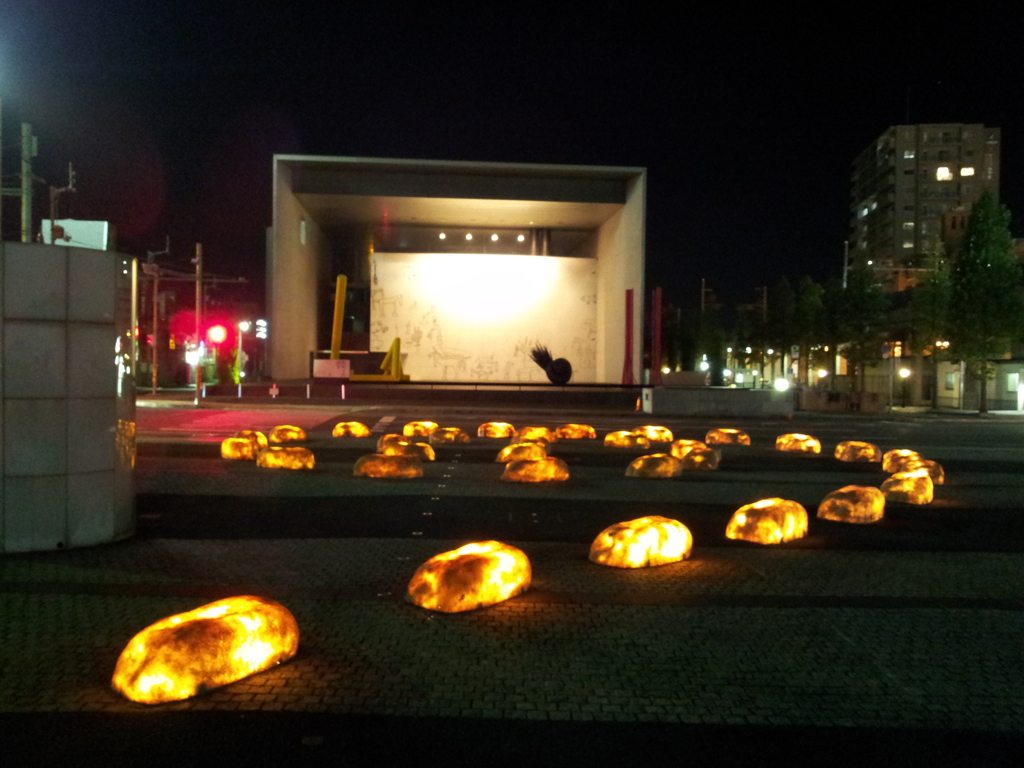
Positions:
(627, 360)
(656, 337)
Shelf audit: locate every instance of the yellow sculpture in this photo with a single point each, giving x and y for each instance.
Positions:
(536, 470)
(205, 648)
(796, 442)
(419, 428)
(470, 577)
(700, 458)
(768, 521)
(378, 465)
(913, 487)
(391, 439)
(285, 433)
(285, 457)
(853, 504)
(257, 438)
(575, 432)
(422, 451)
(894, 460)
(646, 541)
(495, 429)
(534, 433)
(350, 429)
(448, 436)
(522, 452)
(654, 433)
(238, 448)
(934, 469)
(727, 436)
(857, 450)
(626, 439)
(682, 447)
(655, 465)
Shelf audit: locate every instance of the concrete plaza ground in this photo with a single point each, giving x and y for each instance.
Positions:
(835, 652)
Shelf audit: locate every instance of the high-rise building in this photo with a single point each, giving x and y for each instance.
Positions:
(907, 188)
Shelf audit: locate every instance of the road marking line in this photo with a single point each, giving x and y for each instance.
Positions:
(383, 424)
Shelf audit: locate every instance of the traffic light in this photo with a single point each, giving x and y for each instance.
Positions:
(216, 334)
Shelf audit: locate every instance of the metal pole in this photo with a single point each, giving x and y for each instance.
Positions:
(199, 313)
(1, 170)
(154, 346)
(26, 183)
(238, 359)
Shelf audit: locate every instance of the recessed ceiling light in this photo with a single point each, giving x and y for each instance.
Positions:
(521, 238)
(494, 237)
(442, 235)
(469, 237)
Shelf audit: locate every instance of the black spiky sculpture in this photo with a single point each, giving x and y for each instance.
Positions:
(559, 371)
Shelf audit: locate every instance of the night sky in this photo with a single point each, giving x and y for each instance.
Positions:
(171, 111)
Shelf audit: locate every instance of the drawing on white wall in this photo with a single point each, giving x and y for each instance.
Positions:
(380, 304)
(485, 368)
(584, 351)
(589, 298)
(452, 362)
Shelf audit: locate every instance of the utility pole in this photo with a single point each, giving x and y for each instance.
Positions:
(198, 261)
(1, 172)
(29, 149)
(55, 193)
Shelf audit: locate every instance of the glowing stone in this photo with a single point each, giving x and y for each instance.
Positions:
(727, 436)
(391, 439)
(894, 460)
(257, 438)
(448, 436)
(913, 487)
(701, 458)
(422, 451)
(626, 439)
(536, 470)
(522, 452)
(535, 433)
(643, 542)
(682, 447)
(419, 428)
(853, 504)
(379, 465)
(655, 465)
(213, 645)
(470, 577)
(857, 450)
(285, 457)
(495, 429)
(797, 443)
(934, 469)
(576, 432)
(654, 433)
(286, 432)
(768, 521)
(350, 429)
(238, 448)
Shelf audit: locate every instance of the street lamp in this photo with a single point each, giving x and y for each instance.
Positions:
(243, 326)
(904, 375)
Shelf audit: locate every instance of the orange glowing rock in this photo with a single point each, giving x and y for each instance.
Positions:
(285, 457)
(682, 447)
(257, 438)
(913, 487)
(534, 433)
(238, 448)
(495, 429)
(857, 450)
(655, 465)
(213, 645)
(286, 432)
(379, 465)
(626, 439)
(853, 504)
(726, 436)
(350, 429)
(575, 432)
(470, 577)
(391, 439)
(797, 443)
(422, 451)
(655, 434)
(419, 428)
(448, 436)
(536, 470)
(701, 458)
(894, 460)
(522, 452)
(643, 542)
(934, 469)
(768, 521)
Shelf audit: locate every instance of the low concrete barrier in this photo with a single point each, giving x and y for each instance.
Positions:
(716, 401)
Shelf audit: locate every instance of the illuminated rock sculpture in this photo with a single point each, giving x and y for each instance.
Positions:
(257, 438)
(934, 469)
(768, 521)
(858, 450)
(536, 470)
(448, 436)
(913, 487)
(727, 436)
(654, 433)
(682, 447)
(495, 429)
(422, 451)
(655, 465)
(522, 452)
(238, 448)
(534, 433)
(575, 432)
(797, 443)
(213, 645)
(893, 461)
(285, 433)
(285, 457)
(470, 577)
(380, 466)
(350, 429)
(419, 428)
(626, 439)
(646, 541)
(701, 458)
(853, 504)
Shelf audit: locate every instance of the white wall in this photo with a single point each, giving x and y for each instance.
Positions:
(469, 317)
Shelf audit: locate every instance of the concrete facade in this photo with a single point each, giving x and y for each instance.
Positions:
(331, 214)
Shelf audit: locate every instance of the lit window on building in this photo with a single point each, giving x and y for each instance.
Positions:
(950, 382)
(1012, 382)
(967, 171)
(908, 225)
(942, 173)
(908, 154)
(908, 243)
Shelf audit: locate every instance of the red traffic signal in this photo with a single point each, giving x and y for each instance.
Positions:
(216, 334)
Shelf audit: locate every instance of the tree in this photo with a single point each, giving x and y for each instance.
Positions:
(781, 324)
(862, 316)
(808, 321)
(985, 292)
(929, 313)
